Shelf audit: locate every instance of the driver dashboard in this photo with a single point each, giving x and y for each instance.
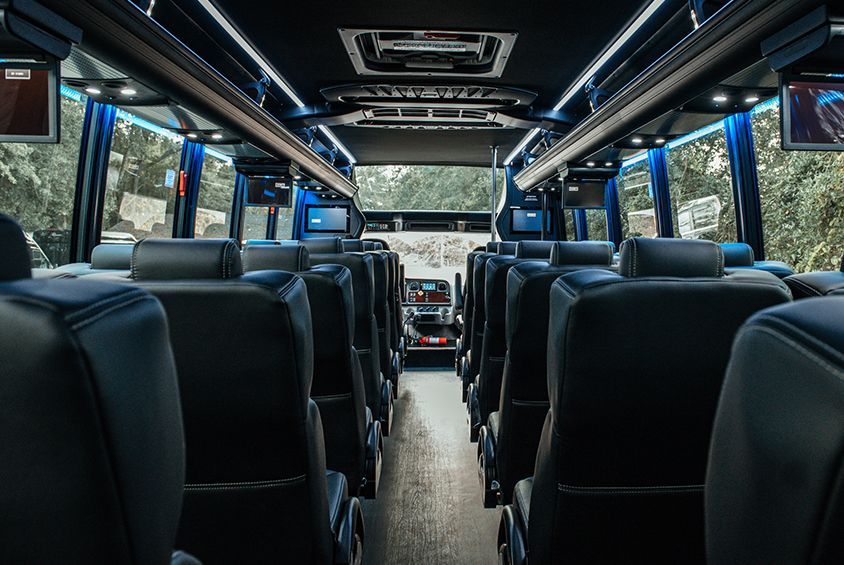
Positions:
(428, 300)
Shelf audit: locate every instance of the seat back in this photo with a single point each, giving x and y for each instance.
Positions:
(819, 283)
(635, 364)
(773, 486)
(256, 487)
(381, 276)
(91, 445)
(478, 312)
(337, 385)
(741, 256)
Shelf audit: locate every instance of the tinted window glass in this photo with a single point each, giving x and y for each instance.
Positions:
(635, 201)
(143, 176)
(255, 222)
(214, 202)
(802, 198)
(701, 187)
(38, 184)
(596, 224)
(284, 228)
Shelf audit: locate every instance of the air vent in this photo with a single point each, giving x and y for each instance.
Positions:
(466, 96)
(428, 226)
(427, 118)
(428, 52)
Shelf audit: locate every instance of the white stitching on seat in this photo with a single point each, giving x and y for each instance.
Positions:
(243, 485)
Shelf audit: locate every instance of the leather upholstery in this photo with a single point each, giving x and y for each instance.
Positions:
(381, 276)
(353, 245)
(255, 488)
(292, 258)
(91, 444)
(581, 253)
(534, 249)
(323, 244)
(737, 255)
(167, 259)
(478, 313)
(492, 247)
(15, 258)
(774, 483)
(646, 257)
(112, 256)
(369, 245)
(635, 366)
(506, 248)
(821, 283)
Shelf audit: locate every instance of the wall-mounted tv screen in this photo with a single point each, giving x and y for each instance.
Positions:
(29, 103)
(584, 194)
(333, 219)
(269, 191)
(525, 220)
(812, 114)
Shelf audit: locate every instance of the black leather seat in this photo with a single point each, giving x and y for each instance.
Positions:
(507, 444)
(741, 256)
(818, 283)
(353, 442)
(635, 365)
(774, 483)
(465, 341)
(478, 321)
(91, 444)
(506, 247)
(105, 258)
(257, 490)
(379, 393)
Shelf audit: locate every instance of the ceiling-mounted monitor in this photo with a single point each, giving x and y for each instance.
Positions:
(584, 194)
(327, 219)
(271, 191)
(525, 220)
(29, 102)
(812, 113)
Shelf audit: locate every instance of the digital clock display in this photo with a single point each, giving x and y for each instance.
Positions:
(429, 286)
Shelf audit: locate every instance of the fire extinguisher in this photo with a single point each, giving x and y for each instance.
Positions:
(432, 340)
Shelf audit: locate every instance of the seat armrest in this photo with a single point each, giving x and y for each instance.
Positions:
(182, 558)
(349, 533)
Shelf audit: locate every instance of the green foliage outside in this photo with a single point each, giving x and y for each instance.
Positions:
(635, 203)
(426, 187)
(214, 202)
(802, 196)
(596, 224)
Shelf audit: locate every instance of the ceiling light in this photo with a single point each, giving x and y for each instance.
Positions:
(751, 99)
(637, 140)
(240, 40)
(192, 135)
(659, 140)
(518, 149)
(297, 177)
(719, 98)
(128, 92)
(337, 143)
(608, 164)
(609, 53)
(590, 164)
(92, 90)
(216, 136)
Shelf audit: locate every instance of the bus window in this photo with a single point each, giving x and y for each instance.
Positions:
(801, 198)
(143, 172)
(38, 184)
(568, 218)
(284, 227)
(596, 224)
(701, 187)
(254, 222)
(214, 202)
(635, 201)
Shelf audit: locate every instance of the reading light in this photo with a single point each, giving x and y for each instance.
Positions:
(659, 140)
(751, 99)
(241, 41)
(128, 92)
(608, 164)
(92, 90)
(192, 135)
(337, 143)
(522, 144)
(719, 98)
(590, 164)
(637, 140)
(216, 136)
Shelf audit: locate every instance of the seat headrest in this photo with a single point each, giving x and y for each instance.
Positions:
(507, 247)
(112, 256)
(169, 259)
(292, 258)
(15, 256)
(323, 244)
(353, 245)
(582, 253)
(665, 257)
(737, 255)
(492, 247)
(534, 249)
(369, 245)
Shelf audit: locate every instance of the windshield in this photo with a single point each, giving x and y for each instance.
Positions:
(428, 255)
(426, 187)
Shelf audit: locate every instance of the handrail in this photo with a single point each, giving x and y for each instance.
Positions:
(725, 44)
(122, 35)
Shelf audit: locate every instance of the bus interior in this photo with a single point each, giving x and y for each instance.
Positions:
(422, 282)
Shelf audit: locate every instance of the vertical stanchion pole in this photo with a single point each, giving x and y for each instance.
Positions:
(493, 198)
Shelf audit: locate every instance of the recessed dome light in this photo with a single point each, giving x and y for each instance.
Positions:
(751, 99)
(637, 140)
(719, 98)
(217, 136)
(659, 141)
(590, 164)
(92, 90)
(192, 135)
(128, 92)
(608, 164)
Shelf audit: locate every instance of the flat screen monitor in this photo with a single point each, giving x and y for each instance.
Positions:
(29, 103)
(332, 219)
(812, 114)
(526, 220)
(584, 194)
(269, 191)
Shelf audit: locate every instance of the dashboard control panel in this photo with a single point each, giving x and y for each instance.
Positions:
(423, 291)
